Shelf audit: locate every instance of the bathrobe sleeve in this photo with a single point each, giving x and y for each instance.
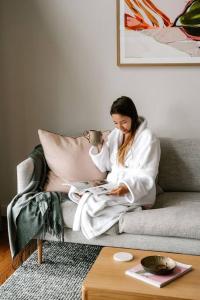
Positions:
(101, 159)
(140, 181)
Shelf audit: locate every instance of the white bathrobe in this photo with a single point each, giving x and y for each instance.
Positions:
(96, 214)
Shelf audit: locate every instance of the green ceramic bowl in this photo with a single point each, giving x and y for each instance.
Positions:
(160, 265)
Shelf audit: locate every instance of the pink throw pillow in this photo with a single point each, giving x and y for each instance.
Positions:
(54, 183)
(68, 157)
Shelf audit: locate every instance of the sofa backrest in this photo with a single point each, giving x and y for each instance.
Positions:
(179, 168)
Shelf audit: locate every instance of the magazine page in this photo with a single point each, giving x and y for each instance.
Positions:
(96, 187)
(80, 185)
(83, 185)
(101, 189)
(158, 280)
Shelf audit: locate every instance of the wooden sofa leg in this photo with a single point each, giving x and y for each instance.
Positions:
(39, 248)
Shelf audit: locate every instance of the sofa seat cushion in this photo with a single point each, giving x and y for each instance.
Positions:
(175, 214)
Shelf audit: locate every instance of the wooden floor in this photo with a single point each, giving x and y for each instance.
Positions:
(7, 266)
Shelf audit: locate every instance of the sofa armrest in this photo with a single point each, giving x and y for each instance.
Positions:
(24, 174)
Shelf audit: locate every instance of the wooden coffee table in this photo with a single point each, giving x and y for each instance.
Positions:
(107, 279)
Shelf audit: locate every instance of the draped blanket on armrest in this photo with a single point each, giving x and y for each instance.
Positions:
(32, 211)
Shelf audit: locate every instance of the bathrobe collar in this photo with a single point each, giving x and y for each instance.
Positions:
(142, 126)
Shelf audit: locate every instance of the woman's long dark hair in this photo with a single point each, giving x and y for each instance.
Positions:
(125, 106)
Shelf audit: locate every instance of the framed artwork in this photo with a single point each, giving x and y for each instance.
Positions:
(158, 32)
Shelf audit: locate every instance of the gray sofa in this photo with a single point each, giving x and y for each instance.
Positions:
(173, 225)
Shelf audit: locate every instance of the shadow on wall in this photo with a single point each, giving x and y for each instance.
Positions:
(42, 84)
(31, 71)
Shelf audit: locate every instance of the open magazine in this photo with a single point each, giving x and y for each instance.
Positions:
(78, 188)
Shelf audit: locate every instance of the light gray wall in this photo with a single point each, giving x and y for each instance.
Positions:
(59, 72)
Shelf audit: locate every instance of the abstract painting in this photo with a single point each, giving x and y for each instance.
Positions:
(158, 31)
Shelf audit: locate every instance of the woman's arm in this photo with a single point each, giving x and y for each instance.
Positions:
(100, 155)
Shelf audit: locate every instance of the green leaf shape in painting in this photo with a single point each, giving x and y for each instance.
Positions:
(191, 16)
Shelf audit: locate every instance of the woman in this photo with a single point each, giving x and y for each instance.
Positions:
(131, 156)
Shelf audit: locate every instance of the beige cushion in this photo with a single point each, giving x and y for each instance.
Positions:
(54, 183)
(68, 157)
(175, 214)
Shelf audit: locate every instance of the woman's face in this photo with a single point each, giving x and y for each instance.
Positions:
(122, 122)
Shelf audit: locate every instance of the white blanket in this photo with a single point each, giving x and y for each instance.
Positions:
(96, 214)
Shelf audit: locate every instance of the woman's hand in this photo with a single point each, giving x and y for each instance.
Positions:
(119, 191)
